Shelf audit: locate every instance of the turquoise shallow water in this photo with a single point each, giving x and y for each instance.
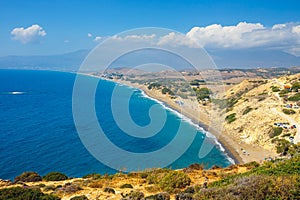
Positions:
(37, 130)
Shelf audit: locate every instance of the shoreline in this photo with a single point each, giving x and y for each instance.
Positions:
(224, 141)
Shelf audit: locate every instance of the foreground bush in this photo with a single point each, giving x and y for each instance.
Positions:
(28, 177)
(82, 197)
(134, 195)
(255, 187)
(159, 196)
(126, 185)
(174, 180)
(18, 193)
(55, 176)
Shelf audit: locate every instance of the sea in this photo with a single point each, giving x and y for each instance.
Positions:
(38, 133)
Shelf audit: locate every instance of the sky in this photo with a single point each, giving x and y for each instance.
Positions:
(46, 27)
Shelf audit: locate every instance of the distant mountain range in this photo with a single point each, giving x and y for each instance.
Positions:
(250, 58)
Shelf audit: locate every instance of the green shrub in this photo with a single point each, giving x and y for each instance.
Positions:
(109, 190)
(275, 89)
(247, 110)
(49, 188)
(230, 118)
(288, 111)
(296, 86)
(18, 193)
(254, 187)
(282, 146)
(154, 85)
(159, 196)
(202, 93)
(82, 197)
(283, 92)
(126, 185)
(55, 176)
(28, 177)
(296, 97)
(167, 91)
(196, 166)
(156, 175)
(173, 180)
(93, 176)
(275, 132)
(252, 164)
(134, 195)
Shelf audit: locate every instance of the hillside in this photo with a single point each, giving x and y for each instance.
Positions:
(265, 113)
(278, 179)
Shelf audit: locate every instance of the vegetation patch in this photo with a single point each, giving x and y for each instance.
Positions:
(275, 89)
(133, 195)
(202, 93)
(174, 180)
(247, 110)
(93, 176)
(55, 176)
(18, 193)
(82, 197)
(288, 111)
(159, 196)
(126, 185)
(275, 132)
(28, 177)
(167, 91)
(283, 92)
(296, 97)
(296, 86)
(230, 118)
(109, 190)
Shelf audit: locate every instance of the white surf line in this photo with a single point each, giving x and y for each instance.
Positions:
(292, 121)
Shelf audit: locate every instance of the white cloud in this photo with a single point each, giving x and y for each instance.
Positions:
(296, 29)
(89, 35)
(242, 35)
(135, 38)
(66, 41)
(31, 34)
(278, 26)
(98, 38)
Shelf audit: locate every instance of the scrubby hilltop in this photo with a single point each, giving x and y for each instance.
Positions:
(277, 179)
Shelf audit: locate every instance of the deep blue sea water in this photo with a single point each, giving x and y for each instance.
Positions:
(37, 130)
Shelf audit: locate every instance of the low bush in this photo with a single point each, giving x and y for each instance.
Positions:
(275, 89)
(28, 177)
(247, 110)
(275, 132)
(159, 196)
(184, 196)
(18, 193)
(126, 185)
(296, 97)
(96, 184)
(174, 180)
(69, 188)
(109, 190)
(283, 92)
(55, 176)
(288, 111)
(82, 197)
(134, 195)
(93, 176)
(196, 166)
(230, 118)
